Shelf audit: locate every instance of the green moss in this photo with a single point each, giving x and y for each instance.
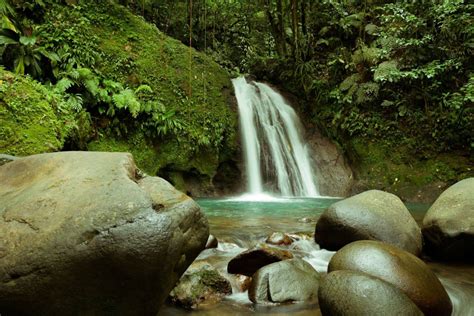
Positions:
(31, 120)
(143, 152)
(384, 165)
(186, 82)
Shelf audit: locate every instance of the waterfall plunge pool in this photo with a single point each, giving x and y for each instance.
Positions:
(239, 224)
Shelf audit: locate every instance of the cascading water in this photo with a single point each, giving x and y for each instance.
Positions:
(276, 159)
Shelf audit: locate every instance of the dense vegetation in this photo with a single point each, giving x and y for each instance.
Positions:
(390, 81)
(126, 83)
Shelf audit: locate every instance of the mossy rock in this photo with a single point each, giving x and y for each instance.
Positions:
(31, 118)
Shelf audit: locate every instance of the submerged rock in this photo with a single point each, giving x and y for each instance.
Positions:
(248, 262)
(278, 238)
(84, 233)
(371, 215)
(289, 280)
(448, 226)
(200, 284)
(397, 267)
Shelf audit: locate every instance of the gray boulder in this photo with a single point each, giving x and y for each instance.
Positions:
(371, 215)
(348, 293)
(82, 233)
(289, 280)
(399, 268)
(448, 226)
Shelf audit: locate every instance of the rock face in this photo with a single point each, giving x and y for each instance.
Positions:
(335, 177)
(84, 233)
(397, 267)
(448, 226)
(353, 293)
(371, 215)
(248, 262)
(289, 280)
(200, 284)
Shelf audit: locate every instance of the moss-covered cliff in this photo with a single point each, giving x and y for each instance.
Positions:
(183, 126)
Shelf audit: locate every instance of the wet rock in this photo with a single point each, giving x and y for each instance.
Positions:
(353, 293)
(289, 280)
(300, 236)
(212, 242)
(279, 239)
(371, 215)
(248, 262)
(397, 267)
(85, 231)
(448, 226)
(201, 284)
(6, 158)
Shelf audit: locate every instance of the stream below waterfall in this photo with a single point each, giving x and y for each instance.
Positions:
(240, 225)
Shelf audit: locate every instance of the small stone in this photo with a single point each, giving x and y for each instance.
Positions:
(212, 242)
(279, 239)
(200, 284)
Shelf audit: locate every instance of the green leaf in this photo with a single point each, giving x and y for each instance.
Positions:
(5, 40)
(28, 40)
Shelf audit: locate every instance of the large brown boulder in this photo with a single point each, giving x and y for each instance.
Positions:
(83, 233)
(448, 226)
(371, 215)
(397, 267)
(347, 293)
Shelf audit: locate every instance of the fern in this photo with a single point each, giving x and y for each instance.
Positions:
(126, 99)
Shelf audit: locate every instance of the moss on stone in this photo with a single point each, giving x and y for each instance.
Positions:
(31, 119)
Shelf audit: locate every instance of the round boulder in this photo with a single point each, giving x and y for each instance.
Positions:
(348, 293)
(371, 215)
(397, 267)
(249, 261)
(86, 233)
(448, 226)
(289, 280)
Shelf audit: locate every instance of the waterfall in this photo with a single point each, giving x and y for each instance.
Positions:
(276, 159)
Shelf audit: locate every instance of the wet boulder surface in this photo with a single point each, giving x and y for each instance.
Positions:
(448, 226)
(285, 281)
(399, 268)
(371, 215)
(85, 233)
(348, 293)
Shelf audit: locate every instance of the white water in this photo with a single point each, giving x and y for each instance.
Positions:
(276, 159)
